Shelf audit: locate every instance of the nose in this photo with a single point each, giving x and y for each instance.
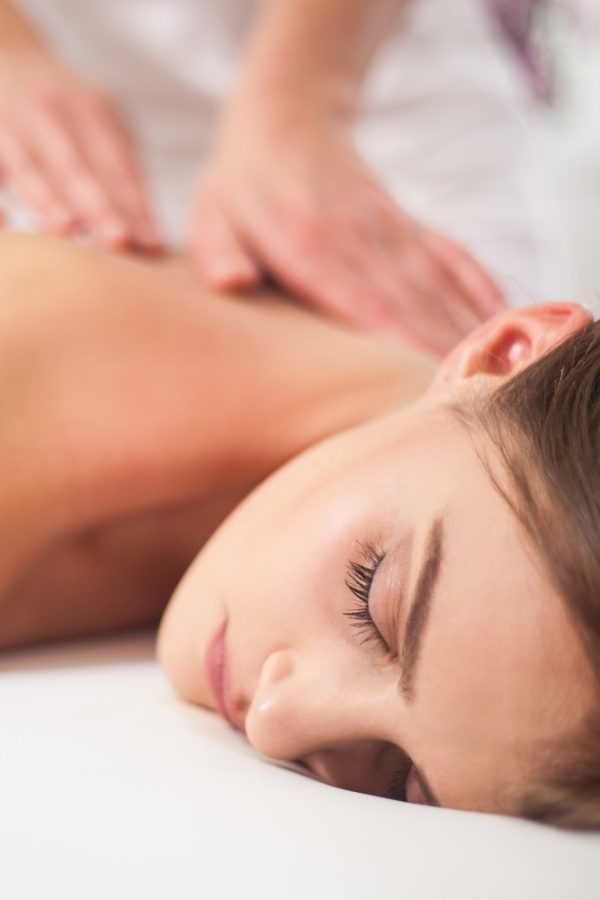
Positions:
(301, 706)
(270, 717)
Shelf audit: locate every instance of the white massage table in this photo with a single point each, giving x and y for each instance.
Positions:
(110, 787)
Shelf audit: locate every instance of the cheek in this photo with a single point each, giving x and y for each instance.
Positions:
(285, 549)
(293, 593)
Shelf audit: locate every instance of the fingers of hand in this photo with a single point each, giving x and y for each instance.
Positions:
(41, 136)
(414, 299)
(41, 154)
(445, 305)
(337, 265)
(108, 152)
(380, 278)
(475, 281)
(218, 251)
(307, 262)
(23, 170)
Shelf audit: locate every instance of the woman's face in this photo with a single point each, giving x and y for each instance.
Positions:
(469, 672)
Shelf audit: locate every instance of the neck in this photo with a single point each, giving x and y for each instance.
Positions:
(375, 379)
(310, 380)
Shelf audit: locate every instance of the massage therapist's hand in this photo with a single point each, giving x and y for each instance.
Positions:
(65, 154)
(292, 199)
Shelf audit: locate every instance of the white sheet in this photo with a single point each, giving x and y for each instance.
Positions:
(111, 787)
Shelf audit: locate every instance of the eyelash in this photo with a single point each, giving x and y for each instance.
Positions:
(396, 789)
(359, 578)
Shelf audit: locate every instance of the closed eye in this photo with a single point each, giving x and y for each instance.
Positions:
(359, 578)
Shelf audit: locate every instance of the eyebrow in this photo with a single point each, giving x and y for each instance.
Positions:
(419, 609)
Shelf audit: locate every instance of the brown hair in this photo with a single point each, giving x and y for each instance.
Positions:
(545, 424)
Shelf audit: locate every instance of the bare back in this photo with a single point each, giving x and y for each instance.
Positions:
(138, 408)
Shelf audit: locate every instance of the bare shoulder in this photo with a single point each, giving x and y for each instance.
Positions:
(128, 388)
(49, 272)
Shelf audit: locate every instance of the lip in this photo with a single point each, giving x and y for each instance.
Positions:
(217, 673)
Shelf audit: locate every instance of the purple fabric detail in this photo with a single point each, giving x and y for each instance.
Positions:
(516, 20)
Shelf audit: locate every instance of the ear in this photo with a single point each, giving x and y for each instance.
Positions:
(510, 342)
(514, 339)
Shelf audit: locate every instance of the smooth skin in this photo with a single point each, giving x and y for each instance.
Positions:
(64, 149)
(283, 194)
(138, 408)
(500, 679)
(138, 411)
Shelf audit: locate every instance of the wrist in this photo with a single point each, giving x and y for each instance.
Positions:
(282, 107)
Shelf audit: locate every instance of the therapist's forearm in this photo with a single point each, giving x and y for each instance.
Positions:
(315, 52)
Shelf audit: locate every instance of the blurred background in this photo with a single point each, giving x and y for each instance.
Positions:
(434, 128)
(566, 144)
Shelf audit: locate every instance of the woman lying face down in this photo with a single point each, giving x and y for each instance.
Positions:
(407, 606)
(410, 608)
